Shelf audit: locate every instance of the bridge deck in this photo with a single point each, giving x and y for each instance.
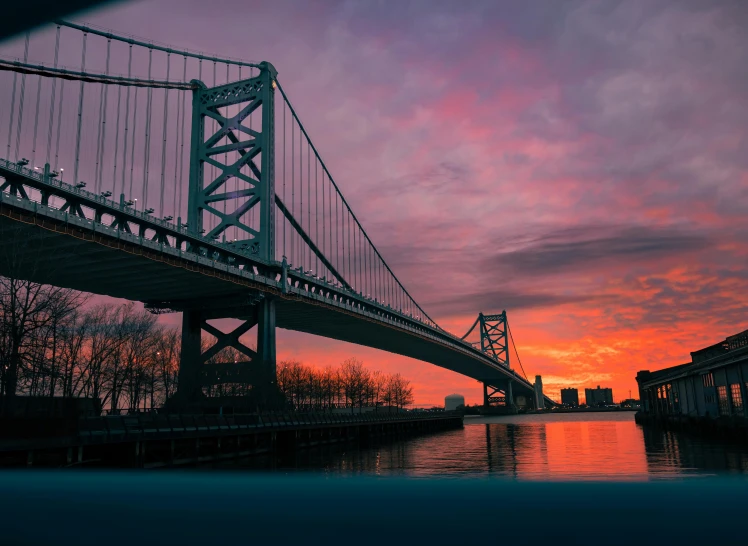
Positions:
(46, 245)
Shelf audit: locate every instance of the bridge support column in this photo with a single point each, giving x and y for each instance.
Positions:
(538, 390)
(190, 361)
(509, 394)
(234, 374)
(266, 351)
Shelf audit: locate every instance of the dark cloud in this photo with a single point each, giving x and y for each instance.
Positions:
(583, 248)
(444, 176)
(498, 300)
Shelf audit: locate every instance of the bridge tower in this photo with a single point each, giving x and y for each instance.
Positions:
(232, 200)
(494, 341)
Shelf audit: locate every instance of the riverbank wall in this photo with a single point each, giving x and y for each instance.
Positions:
(725, 429)
(152, 441)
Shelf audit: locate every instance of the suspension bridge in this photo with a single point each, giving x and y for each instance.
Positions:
(188, 182)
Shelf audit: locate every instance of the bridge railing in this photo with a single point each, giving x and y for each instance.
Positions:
(57, 183)
(382, 310)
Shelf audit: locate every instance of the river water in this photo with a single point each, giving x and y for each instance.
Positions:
(570, 446)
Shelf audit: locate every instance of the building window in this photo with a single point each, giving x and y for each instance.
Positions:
(737, 399)
(674, 400)
(724, 405)
(708, 379)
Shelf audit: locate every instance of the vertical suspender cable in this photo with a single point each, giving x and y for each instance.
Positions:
(176, 146)
(347, 250)
(285, 221)
(147, 149)
(100, 141)
(293, 191)
(163, 142)
(362, 262)
(370, 272)
(12, 114)
(80, 114)
(212, 218)
(59, 126)
(301, 197)
(202, 211)
(181, 152)
(132, 145)
(116, 140)
(329, 213)
(36, 119)
(20, 103)
(237, 179)
(98, 133)
(225, 156)
(127, 123)
(316, 213)
(52, 100)
(325, 249)
(360, 258)
(309, 197)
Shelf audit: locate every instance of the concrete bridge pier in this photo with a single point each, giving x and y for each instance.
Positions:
(538, 393)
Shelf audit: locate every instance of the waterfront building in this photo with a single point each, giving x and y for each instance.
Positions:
(598, 397)
(713, 384)
(570, 397)
(453, 401)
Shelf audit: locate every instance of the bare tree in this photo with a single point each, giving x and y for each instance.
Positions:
(401, 391)
(27, 309)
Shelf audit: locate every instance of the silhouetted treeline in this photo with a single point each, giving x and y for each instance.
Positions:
(349, 385)
(53, 343)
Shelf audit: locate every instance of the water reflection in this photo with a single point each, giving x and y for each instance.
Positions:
(531, 447)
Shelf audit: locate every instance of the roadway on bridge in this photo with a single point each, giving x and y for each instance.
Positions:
(41, 249)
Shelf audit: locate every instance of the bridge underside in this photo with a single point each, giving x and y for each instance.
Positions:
(45, 251)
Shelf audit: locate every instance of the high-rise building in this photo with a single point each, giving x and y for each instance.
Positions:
(598, 396)
(570, 397)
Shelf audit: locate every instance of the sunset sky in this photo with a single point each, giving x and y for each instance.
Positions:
(581, 164)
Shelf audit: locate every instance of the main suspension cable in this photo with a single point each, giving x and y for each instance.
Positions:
(509, 330)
